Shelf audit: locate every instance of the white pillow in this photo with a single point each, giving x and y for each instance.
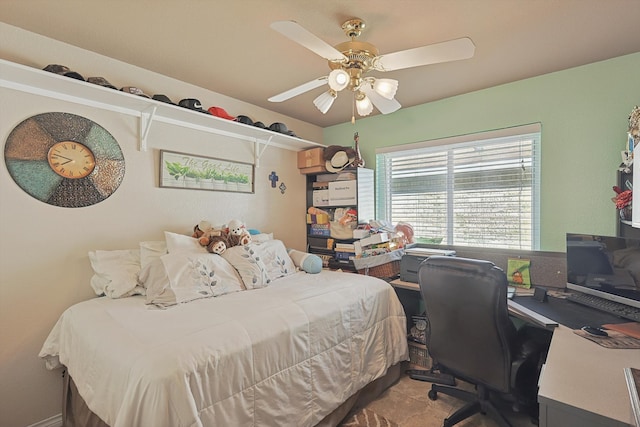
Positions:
(152, 250)
(261, 237)
(260, 264)
(247, 262)
(182, 243)
(115, 272)
(182, 277)
(276, 259)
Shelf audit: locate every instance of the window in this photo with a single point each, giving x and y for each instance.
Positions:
(478, 190)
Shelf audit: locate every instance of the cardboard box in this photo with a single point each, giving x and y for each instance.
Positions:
(317, 219)
(320, 197)
(313, 170)
(342, 193)
(311, 158)
(374, 239)
(320, 230)
(360, 234)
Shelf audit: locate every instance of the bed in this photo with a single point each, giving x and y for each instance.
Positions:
(297, 350)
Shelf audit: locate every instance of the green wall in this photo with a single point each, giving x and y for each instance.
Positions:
(584, 115)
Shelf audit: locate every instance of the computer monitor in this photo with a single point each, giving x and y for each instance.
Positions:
(604, 266)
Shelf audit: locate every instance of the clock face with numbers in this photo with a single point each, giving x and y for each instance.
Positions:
(70, 159)
(64, 160)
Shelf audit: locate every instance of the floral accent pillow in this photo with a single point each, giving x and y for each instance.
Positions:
(248, 262)
(260, 264)
(182, 277)
(276, 259)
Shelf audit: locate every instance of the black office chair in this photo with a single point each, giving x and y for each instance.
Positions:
(470, 336)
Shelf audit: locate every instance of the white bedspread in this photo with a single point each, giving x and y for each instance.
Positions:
(284, 355)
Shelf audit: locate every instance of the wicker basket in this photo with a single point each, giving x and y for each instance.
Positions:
(418, 355)
(383, 271)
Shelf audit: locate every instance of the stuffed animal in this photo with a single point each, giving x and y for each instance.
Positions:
(200, 228)
(217, 244)
(214, 239)
(238, 235)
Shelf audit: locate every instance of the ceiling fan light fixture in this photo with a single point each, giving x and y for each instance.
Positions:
(363, 104)
(338, 79)
(325, 100)
(386, 87)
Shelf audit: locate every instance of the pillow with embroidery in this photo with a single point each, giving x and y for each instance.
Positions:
(276, 259)
(186, 276)
(248, 262)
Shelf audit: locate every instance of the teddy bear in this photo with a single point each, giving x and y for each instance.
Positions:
(218, 244)
(214, 239)
(237, 233)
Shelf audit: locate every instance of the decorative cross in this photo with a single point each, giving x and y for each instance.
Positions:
(273, 178)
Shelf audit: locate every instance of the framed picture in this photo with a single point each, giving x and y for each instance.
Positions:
(180, 170)
(518, 272)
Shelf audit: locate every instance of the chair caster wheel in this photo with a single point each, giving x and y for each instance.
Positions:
(433, 395)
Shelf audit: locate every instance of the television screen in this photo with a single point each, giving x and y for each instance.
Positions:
(605, 266)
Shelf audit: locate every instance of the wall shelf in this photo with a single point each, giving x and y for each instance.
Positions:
(35, 81)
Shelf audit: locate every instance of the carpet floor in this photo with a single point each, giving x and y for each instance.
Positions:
(367, 418)
(406, 404)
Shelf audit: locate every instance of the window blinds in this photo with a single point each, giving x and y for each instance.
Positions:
(479, 191)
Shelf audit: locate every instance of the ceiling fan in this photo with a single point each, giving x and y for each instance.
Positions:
(350, 62)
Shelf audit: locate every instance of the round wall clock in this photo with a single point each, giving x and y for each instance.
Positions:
(64, 160)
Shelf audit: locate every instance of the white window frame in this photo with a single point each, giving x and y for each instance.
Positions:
(527, 229)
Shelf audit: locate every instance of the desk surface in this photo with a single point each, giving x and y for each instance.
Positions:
(582, 376)
(582, 382)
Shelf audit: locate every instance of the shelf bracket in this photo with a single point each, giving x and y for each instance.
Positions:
(258, 153)
(146, 118)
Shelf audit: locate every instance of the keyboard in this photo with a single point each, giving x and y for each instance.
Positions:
(612, 307)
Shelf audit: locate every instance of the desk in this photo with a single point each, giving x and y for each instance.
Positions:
(582, 383)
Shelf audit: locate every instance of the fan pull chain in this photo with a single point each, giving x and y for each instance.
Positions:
(353, 111)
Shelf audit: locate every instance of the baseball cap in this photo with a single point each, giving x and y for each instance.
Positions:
(279, 127)
(220, 112)
(101, 81)
(63, 70)
(134, 91)
(192, 104)
(163, 98)
(245, 120)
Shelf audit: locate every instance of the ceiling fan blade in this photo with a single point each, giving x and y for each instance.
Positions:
(298, 34)
(298, 90)
(384, 105)
(452, 50)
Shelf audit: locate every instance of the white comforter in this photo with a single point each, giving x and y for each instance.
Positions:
(284, 355)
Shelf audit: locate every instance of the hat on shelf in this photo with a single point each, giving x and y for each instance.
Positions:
(63, 71)
(192, 104)
(245, 120)
(279, 127)
(337, 157)
(163, 98)
(134, 91)
(101, 81)
(220, 112)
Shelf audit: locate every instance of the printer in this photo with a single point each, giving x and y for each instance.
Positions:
(413, 257)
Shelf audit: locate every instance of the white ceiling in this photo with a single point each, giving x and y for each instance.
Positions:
(228, 47)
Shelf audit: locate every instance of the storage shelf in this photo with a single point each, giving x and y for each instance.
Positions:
(39, 82)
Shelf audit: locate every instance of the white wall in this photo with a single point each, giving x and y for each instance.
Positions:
(44, 267)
